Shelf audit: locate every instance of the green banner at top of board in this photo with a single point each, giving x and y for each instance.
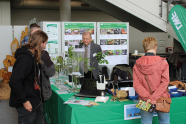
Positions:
(52, 25)
(79, 25)
(177, 19)
(112, 25)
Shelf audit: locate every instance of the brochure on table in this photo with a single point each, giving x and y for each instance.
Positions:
(114, 41)
(72, 33)
(53, 30)
(131, 112)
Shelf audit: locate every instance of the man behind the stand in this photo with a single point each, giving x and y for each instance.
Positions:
(91, 50)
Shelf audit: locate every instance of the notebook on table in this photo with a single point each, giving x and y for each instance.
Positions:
(89, 89)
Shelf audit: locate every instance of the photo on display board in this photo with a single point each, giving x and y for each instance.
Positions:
(49, 48)
(56, 50)
(110, 52)
(124, 52)
(117, 31)
(67, 41)
(71, 45)
(104, 52)
(103, 42)
(68, 32)
(124, 31)
(110, 42)
(76, 41)
(75, 31)
(81, 31)
(116, 41)
(103, 31)
(66, 53)
(117, 52)
(123, 41)
(110, 31)
(91, 31)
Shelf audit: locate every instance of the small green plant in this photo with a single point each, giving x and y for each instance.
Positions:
(100, 57)
(60, 63)
(70, 59)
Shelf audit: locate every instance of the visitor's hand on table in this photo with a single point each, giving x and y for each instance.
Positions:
(27, 105)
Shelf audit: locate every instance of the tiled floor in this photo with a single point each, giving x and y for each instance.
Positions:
(8, 115)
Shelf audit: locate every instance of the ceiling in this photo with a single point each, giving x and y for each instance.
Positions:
(49, 4)
(88, 5)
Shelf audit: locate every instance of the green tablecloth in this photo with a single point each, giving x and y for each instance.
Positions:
(110, 113)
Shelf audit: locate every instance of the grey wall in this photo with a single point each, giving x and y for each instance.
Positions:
(23, 16)
(5, 13)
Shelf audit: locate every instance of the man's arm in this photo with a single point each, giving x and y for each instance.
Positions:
(99, 52)
(47, 65)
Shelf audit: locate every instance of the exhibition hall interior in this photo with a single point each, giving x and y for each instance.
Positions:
(98, 50)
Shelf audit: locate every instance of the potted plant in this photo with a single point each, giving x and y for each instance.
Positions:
(100, 57)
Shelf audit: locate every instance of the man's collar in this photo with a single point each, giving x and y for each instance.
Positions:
(87, 45)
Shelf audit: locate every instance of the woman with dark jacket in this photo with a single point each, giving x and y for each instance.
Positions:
(25, 85)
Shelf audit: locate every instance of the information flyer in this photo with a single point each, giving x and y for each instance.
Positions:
(114, 42)
(74, 31)
(131, 112)
(52, 32)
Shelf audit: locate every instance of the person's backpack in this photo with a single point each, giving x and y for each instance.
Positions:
(123, 72)
(104, 72)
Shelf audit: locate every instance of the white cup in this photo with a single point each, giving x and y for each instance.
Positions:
(136, 52)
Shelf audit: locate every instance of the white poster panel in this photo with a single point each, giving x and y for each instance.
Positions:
(114, 41)
(6, 38)
(53, 30)
(72, 33)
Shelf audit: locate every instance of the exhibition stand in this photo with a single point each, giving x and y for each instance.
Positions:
(56, 112)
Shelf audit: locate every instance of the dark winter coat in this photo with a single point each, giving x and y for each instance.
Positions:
(24, 81)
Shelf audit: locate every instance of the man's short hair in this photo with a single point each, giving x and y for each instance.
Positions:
(34, 25)
(87, 33)
(149, 43)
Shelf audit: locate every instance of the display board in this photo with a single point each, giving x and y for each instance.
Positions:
(53, 30)
(114, 41)
(6, 38)
(72, 33)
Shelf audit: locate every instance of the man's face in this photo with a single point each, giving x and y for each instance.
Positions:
(87, 39)
(43, 45)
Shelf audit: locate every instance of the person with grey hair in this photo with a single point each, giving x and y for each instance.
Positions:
(91, 50)
(33, 27)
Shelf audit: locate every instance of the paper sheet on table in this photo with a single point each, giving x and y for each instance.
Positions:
(75, 102)
(62, 92)
(172, 87)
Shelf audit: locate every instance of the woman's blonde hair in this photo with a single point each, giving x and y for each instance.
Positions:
(35, 41)
(149, 43)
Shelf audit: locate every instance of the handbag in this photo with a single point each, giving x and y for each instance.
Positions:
(163, 103)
